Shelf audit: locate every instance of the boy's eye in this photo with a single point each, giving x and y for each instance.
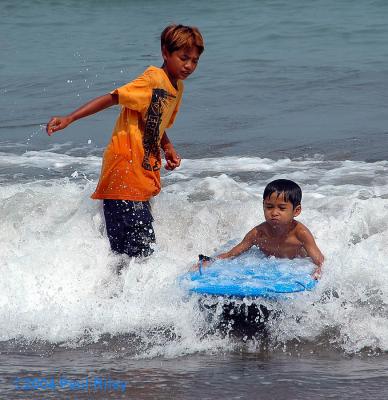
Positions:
(187, 58)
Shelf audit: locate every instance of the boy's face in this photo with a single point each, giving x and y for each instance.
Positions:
(277, 211)
(180, 63)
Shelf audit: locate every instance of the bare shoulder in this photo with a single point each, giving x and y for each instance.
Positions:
(302, 232)
(260, 232)
(253, 235)
(261, 229)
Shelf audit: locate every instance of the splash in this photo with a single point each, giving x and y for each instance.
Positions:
(58, 275)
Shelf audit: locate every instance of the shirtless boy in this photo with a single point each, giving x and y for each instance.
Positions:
(280, 235)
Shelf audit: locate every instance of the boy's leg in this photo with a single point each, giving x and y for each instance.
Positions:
(129, 227)
(114, 225)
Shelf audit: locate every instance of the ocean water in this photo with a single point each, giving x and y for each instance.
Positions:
(292, 90)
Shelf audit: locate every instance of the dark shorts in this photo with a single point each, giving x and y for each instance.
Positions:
(129, 227)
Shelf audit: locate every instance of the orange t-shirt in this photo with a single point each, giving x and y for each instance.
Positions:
(131, 165)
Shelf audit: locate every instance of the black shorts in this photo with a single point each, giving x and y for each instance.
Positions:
(129, 227)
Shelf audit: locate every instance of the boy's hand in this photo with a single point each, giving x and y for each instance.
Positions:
(317, 273)
(204, 261)
(205, 264)
(172, 158)
(57, 123)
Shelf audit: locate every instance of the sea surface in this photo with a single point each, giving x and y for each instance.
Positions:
(285, 89)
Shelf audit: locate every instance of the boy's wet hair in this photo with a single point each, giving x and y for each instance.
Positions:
(176, 37)
(289, 189)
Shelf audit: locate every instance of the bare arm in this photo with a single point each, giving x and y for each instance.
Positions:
(305, 236)
(92, 107)
(172, 157)
(243, 246)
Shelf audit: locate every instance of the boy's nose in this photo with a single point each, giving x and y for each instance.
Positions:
(189, 65)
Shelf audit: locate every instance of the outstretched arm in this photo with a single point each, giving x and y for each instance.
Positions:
(242, 247)
(172, 157)
(305, 236)
(92, 107)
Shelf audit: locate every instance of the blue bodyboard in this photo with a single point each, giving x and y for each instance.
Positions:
(266, 277)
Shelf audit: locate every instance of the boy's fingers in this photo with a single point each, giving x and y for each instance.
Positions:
(52, 124)
(170, 165)
(177, 160)
(316, 276)
(48, 126)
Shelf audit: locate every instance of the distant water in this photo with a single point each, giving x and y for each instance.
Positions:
(285, 89)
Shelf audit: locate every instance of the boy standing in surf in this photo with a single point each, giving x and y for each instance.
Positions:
(130, 173)
(280, 235)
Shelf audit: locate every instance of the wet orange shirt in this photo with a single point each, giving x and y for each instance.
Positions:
(132, 161)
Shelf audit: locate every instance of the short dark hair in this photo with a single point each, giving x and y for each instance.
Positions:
(175, 37)
(291, 190)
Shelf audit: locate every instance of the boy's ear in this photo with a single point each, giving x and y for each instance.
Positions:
(164, 53)
(297, 210)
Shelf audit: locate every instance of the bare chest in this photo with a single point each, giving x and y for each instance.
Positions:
(289, 247)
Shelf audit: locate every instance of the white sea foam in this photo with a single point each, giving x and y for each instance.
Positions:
(45, 161)
(58, 281)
